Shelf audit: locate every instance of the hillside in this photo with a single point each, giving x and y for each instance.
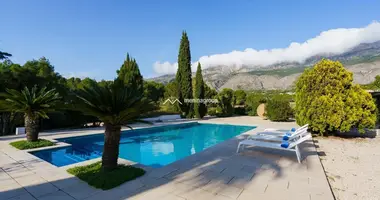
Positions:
(363, 61)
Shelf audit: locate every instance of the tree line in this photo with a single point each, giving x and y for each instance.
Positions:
(41, 73)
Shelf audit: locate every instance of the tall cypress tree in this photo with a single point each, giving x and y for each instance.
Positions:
(183, 77)
(199, 108)
(129, 75)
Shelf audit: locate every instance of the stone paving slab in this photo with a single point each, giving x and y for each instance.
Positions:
(59, 195)
(25, 196)
(215, 173)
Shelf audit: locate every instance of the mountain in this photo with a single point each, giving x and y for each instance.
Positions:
(363, 60)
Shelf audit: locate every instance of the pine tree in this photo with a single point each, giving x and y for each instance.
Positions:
(4, 55)
(129, 75)
(183, 77)
(200, 109)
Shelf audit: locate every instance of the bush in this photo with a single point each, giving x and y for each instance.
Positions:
(239, 97)
(278, 109)
(211, 111)
(66, 119)
(24, 144)
(328, 101)
(253, 101)
(154, 90)
(240, 111)
(225, 98)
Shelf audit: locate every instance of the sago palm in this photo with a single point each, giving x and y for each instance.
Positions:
(115, 105)
(35, 103)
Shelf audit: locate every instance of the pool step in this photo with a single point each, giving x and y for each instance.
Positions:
(74, 158)
(80, 154)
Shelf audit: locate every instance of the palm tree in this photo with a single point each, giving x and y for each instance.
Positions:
(34, 103)
(115, 105)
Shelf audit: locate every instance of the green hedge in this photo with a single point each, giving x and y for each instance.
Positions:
(278, 109)
(240, 111)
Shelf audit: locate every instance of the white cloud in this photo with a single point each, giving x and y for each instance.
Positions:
(80, 75)
(165, 67)
(333, 41)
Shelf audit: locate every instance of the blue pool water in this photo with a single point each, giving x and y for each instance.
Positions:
(155, 147)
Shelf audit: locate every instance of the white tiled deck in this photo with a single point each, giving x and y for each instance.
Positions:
(216, 173)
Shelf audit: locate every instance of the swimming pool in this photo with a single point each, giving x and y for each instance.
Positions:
(155, 147)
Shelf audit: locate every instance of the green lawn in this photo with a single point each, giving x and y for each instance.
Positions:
(24, 144)
(96, 177)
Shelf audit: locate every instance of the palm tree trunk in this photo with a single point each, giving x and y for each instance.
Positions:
(111, 146)
(31, 127)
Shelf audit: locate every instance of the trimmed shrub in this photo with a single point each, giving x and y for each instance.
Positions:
(328, 101)
(278, 109)
(240, 111)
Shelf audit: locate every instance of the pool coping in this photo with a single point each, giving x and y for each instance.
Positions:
(60, 144)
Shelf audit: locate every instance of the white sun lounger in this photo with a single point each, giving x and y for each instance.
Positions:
(280, 130)
(278, 137)
(274, 136)
(275, 142)
(280, 133)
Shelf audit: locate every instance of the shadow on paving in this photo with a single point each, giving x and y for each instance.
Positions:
(217, 170)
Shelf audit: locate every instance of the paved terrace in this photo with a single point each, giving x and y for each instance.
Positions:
(216, 173)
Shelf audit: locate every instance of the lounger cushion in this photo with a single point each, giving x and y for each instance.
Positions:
(285, 138)
(285, 144)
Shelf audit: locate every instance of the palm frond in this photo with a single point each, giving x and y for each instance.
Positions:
(114, 104)
(34, 101)
(130, 127)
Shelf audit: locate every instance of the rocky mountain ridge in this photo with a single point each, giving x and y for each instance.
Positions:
(363, 60)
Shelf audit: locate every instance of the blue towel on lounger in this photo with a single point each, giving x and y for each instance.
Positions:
(285, 144)
(293, 130)
(286, 136)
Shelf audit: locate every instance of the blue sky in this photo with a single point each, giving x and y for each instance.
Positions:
(91, 38)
